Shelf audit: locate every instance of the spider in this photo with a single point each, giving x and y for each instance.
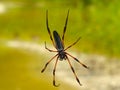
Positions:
(61, 55)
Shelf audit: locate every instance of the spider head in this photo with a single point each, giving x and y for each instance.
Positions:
(62, 55)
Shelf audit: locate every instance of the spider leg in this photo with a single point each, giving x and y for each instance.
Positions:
(49, 49)
(78, 61)
(73, 71)
(49, 28)
(48, 63)
(65, 26)
(73, 43)
(54, 73)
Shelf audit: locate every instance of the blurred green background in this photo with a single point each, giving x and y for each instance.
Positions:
(96, 21)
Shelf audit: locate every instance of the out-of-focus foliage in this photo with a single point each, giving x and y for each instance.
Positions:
(97, 21)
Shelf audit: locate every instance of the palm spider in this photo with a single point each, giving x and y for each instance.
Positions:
(58, 43)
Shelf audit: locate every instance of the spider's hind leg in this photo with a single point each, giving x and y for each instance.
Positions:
(73, 71)
(48, 63)
(78, 61)
(54, 83)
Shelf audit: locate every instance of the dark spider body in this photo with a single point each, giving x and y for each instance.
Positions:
(59, 46)
(58, 41)
(61, 55)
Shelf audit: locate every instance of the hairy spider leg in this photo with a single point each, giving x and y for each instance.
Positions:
(73, 43)
(54, 82)
(48, 63)
(48, 29)
(49, 49)
(73, 71)
(64, 30)
(78, 61)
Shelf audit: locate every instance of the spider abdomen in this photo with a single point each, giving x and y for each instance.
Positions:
(58, 41)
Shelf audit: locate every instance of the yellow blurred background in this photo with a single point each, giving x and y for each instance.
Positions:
(23, 33)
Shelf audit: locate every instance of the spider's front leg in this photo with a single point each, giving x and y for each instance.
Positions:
(65, 26)
(48, 29)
